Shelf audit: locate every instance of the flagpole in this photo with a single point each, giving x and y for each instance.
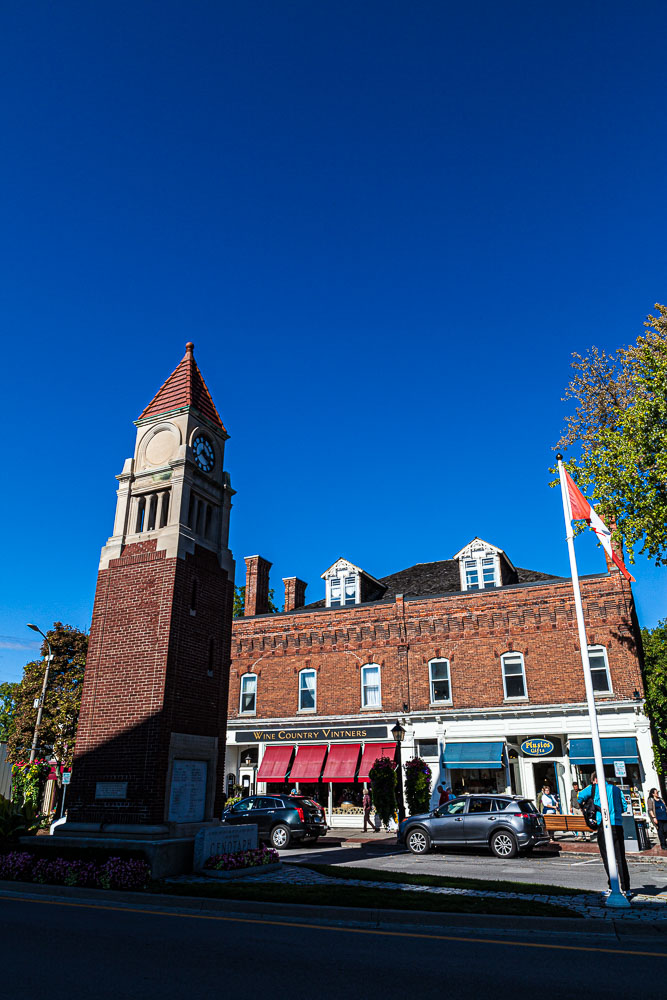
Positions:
(616, 898)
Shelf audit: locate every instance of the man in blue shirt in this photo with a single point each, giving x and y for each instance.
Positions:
(617, 806)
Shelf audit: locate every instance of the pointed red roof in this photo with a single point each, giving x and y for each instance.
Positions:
(184, 387)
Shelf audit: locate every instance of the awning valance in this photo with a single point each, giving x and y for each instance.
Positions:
(371, 753)
(342, 762)
(275, 763)
(467, 756)
(613, 748)
(308, 763)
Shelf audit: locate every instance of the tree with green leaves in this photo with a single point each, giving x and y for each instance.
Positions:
(62, 702)
(618, 433)
(238, 608)
(8, 693)
(654, 642)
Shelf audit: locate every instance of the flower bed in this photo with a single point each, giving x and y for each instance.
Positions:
(116, 873)
(242, 862)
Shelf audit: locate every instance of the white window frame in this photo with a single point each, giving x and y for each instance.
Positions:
(341, 578)
(364, 703)
(601, 649)
(478, 558)
(253, 710)
(513, 655)
(302, 673)
(432, 681)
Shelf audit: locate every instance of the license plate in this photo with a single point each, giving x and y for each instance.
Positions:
(316, 819)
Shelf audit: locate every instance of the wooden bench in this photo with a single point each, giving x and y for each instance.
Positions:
(566, 824)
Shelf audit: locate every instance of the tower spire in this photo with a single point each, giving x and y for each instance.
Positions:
(185, 387)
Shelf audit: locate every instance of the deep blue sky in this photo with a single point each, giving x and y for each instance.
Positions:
(386, 226)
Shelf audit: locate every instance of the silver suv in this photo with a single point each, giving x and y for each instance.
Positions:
(505, 823)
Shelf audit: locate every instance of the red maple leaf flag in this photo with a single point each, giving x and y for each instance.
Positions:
(582, 510)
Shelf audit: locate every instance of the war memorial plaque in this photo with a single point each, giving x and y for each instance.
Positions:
(187, 801)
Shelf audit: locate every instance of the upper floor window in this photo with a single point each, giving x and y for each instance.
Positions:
(439, 681)
(597, 657)
(248, 694)
(370, 686)
(481, 572)
(514, 675)
(342, 590)
(307, 690)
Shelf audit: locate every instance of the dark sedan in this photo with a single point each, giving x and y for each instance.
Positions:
(280, 819)
(506, 824)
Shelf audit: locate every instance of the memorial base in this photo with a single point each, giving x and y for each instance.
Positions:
(167, 849)
(242, 872)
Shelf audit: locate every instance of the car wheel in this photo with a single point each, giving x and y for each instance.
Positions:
(280, 836)
(417, 841)
(503, 844)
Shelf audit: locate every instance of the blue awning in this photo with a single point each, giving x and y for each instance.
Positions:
(465, 756)
(613, 748)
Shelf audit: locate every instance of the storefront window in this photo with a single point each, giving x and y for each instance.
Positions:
(478, 780)
(347, 799)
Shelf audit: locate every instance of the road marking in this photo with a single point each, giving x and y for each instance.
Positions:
(303, 925)
(594, 861)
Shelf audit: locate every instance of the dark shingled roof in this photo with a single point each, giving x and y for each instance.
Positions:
(429, 579)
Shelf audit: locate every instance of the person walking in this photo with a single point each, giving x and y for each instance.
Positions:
(657, 813)
(445, 795)
(617, 806)
(367, 805)
(575, 808)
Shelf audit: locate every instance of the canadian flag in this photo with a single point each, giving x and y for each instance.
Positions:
(581, 510)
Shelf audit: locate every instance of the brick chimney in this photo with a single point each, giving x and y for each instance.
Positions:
(617, 548)
(256, 586)
(295, 593)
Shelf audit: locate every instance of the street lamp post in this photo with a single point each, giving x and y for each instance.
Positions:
(40, 708)
(399, 735)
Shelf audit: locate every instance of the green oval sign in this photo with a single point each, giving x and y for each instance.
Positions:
(537, 747)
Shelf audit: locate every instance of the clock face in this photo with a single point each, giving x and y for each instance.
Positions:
(204, 454)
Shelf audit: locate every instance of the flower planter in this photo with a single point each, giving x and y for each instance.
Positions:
(240, 872)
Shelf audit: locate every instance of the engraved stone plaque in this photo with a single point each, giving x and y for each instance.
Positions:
(111, 790)
(187, 799)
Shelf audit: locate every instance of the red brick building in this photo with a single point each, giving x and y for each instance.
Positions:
(479, 661)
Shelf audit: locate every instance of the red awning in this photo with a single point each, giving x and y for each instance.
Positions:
(275, 763)
(308, 763)
(371, 753)
(342, 762)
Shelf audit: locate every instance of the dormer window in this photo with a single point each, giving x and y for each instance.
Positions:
(342, 591)
(483, 566)
(481, 572)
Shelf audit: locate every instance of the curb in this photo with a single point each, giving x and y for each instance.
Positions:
(327, 915)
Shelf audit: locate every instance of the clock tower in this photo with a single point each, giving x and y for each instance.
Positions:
(150, 749)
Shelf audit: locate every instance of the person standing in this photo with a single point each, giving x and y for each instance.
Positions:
(367, 805)
(657, 813)
(617, 806)
(444, 795)
(575, 808)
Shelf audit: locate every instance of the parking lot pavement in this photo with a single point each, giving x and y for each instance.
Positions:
(574, 871)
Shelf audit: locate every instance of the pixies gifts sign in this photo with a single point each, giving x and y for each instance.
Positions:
(337, 734)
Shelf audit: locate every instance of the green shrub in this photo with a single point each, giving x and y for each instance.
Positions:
(16, 820)
(383, 788)
(417, 785)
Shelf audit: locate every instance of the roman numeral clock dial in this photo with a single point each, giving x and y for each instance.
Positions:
(204, 454)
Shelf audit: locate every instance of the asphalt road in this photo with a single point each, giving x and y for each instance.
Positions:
(584, 872)
(107, 952)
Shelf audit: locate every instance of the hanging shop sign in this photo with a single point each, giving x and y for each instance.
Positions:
(540, 746)
(311, 735)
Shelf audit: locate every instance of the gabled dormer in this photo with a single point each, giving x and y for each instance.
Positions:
(347, 584)
(483, 566)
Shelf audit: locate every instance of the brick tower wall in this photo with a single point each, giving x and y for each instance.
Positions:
(147, 675)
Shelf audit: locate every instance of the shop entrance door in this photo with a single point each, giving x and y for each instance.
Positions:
(544, 773)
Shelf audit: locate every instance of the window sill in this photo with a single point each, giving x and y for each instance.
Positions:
(523, 697)
(603, 694)
(371, 708)
(440, 704)
(306, 711)
(247, 715)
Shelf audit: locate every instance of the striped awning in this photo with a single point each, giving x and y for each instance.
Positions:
(613, 748)
(275, 763)
(308, 763)
(467, 756)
